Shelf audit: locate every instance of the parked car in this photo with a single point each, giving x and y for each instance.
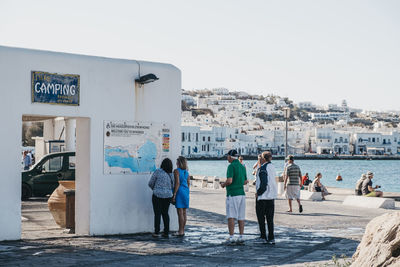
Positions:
(43, 177)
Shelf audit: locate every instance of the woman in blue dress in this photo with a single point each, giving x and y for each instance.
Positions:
(181, 192)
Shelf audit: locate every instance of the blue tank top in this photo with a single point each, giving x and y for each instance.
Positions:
(183, 175)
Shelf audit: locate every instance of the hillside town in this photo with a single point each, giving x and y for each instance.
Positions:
(217, 120)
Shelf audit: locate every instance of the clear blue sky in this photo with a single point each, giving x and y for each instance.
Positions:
(321, 51)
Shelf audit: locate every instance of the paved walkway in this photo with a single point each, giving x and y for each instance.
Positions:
(202, 245)
(301, 240)
(312, 238)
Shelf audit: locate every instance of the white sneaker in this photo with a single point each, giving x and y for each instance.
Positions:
(230, 241)
(240, 241)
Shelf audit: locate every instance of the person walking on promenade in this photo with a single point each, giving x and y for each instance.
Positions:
(162, 184)
(181, 193)
(236, 178)
(368, 190)
(292, 183)
(266, 194)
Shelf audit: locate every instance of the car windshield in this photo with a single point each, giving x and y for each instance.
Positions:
(53, 164)
(42, 161)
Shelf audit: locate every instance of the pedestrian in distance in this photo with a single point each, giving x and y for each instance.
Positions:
(292, 183)
(305, 180)
(241, 161)
(359, 183)
(246, 187)
(27, 161)
(257, 165)
(317, 186)
(236, 178)
(266, 194)
(368, 190)
(181, 193)
(162, 184)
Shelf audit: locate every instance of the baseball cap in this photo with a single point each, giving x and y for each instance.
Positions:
(232, 153)
(370, 173)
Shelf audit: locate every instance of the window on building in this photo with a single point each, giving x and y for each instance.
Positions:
(183, 137)
(209, 139)
(373, 139)
(189, 134)
(204, 138)
(341, 139)
(335, 140)
(197, 137)
(360, 140)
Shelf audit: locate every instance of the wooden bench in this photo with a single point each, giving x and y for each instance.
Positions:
(369, 202)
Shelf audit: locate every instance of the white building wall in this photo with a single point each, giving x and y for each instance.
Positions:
(105, 204)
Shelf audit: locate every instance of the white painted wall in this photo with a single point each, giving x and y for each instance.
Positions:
(105, 204)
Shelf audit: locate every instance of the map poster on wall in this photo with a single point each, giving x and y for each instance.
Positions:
(134, 147)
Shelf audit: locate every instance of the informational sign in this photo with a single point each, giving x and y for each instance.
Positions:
(53, 88)
(134, 147)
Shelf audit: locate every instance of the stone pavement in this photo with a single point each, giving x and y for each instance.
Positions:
(202, 245)
(312, 238)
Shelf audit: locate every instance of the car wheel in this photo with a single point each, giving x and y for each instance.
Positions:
(26, 192)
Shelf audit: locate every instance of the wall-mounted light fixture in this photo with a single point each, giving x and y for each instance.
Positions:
(148, 78)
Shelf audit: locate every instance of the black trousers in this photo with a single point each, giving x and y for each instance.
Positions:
(265, 210)
(160, 208)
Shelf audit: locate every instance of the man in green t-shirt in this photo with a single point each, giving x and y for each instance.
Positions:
(236, 178)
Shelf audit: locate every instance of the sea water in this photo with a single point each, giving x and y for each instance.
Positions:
(386, 172)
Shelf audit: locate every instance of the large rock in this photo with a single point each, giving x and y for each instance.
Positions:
(380, 245)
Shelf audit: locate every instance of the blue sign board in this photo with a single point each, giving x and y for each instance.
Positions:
(53, 88)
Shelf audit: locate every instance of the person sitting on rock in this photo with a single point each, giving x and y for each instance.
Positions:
(317, 186)
(357, 190)
(368, 190)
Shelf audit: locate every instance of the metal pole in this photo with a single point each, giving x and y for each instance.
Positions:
(286, 143)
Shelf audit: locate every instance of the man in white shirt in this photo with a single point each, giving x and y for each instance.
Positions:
(266, 194)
